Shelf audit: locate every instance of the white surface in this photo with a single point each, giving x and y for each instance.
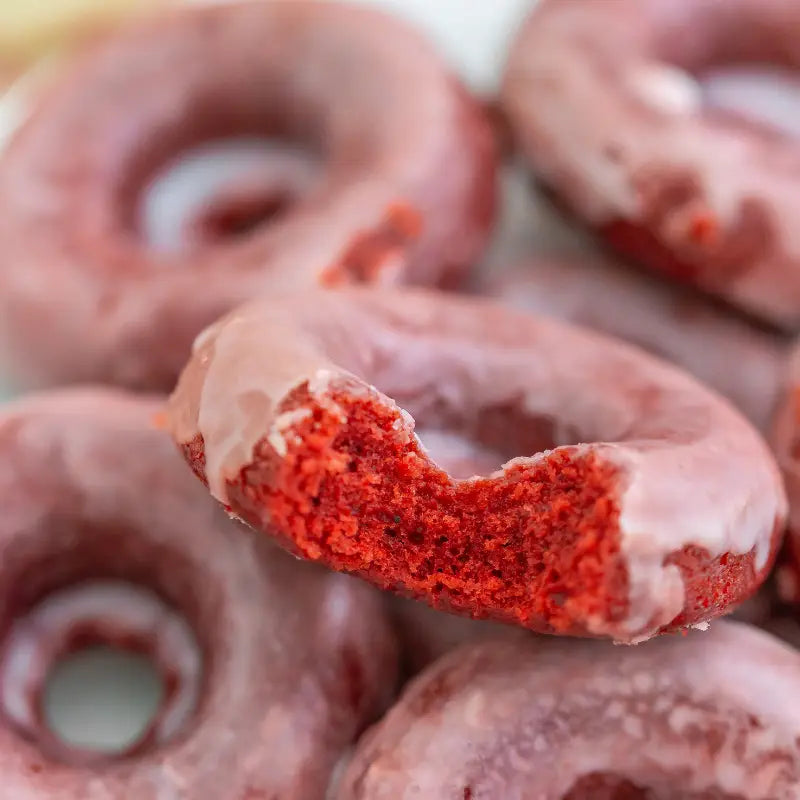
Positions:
(101, 699)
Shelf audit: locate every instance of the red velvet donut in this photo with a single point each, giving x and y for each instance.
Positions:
(703, 717)
(630, 500)
(398, 184)
(606, 101)
(271, 667)
(739, 360)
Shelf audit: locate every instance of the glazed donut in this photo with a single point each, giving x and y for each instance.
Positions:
(671, 322)
(271, 667)
(607, 102)
(665, 515)
(403, 187)
(702, 717)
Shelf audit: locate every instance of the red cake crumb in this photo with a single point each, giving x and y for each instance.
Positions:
(540, 549)
(361, 497)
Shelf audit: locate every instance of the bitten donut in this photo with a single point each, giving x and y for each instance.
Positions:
(398, 185)
(270, 667)
(608, 103)
(703, 717)
(630, 499)
(739, 360)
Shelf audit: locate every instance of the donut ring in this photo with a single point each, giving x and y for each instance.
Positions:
(668, 321)
(665, 516)
(104, 540)
(603, 103)
(404, 191)
(703, 717)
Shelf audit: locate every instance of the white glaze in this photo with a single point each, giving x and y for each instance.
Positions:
(667, 89)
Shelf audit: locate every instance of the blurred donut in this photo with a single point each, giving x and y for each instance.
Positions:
(271, 668)
(739, 360)
(609, 104)
(667, 513)
(703, 717)
(400, 158)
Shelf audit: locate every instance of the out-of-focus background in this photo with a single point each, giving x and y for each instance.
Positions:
(102, 699)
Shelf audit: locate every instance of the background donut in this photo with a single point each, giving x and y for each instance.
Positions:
(272, 666)
(702, 717)
(617, 109)
(402, 163)
(667, 518)
(669, 321)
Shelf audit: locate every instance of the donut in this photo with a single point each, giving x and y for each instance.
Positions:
(609, 104)
(668, 321)
(271, 667)
(702, 717)
(403, 181)
(616, 496)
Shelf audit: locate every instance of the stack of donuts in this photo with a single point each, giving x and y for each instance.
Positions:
(402, 506)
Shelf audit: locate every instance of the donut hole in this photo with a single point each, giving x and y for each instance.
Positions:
(83, 627)
(221, 191)
(769, 96)
(74, 587)
(242, 213)
(102, 698)
(737, 62)
(482, 441)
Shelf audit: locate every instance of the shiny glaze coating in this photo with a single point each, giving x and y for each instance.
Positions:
(701, 717)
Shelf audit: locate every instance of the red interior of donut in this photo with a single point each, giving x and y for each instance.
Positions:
(538, 545)
(542, 543)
